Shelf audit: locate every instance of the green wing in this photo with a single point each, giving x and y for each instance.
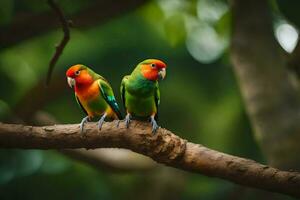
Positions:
(78, 102)
(157, 100)
(109, 97)
(123, 89)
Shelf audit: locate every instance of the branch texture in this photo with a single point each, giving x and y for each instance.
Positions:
(59, 49)
(108, 159)
(164, 147)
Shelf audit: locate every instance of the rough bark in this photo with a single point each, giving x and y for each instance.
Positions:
(271, 100)
(164, 147)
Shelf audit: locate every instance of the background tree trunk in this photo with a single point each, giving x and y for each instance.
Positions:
(271, 100)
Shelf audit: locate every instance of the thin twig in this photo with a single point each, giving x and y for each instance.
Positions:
(59, 48)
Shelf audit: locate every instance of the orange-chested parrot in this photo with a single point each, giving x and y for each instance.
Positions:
(140, 91)
(93, 94)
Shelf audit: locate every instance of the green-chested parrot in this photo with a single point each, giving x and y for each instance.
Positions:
(93, 94)
(140, 91)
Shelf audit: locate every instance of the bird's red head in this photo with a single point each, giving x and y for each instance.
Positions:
(78, 75)
(153, 69)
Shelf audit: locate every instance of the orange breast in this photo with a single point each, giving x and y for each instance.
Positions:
(88, 92)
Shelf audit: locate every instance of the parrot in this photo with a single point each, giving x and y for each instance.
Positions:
(140, 91)
(93, 94)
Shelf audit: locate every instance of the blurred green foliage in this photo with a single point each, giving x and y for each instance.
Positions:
(200, 97)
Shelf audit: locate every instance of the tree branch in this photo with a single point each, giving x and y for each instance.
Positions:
(109, 159)
(164, 147)
(59, 48)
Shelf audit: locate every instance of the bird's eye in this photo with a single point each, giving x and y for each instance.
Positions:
(77, 73)
(153, 65)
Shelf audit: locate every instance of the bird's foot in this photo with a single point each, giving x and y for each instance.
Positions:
(118, 122)
(154, 125)
(83, 121)
(127, 120)
(101, 121)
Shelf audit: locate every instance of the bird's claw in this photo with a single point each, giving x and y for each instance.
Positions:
(83, 121)
(127, 120)
(118, 123)
(154, 125)
(101, 121)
